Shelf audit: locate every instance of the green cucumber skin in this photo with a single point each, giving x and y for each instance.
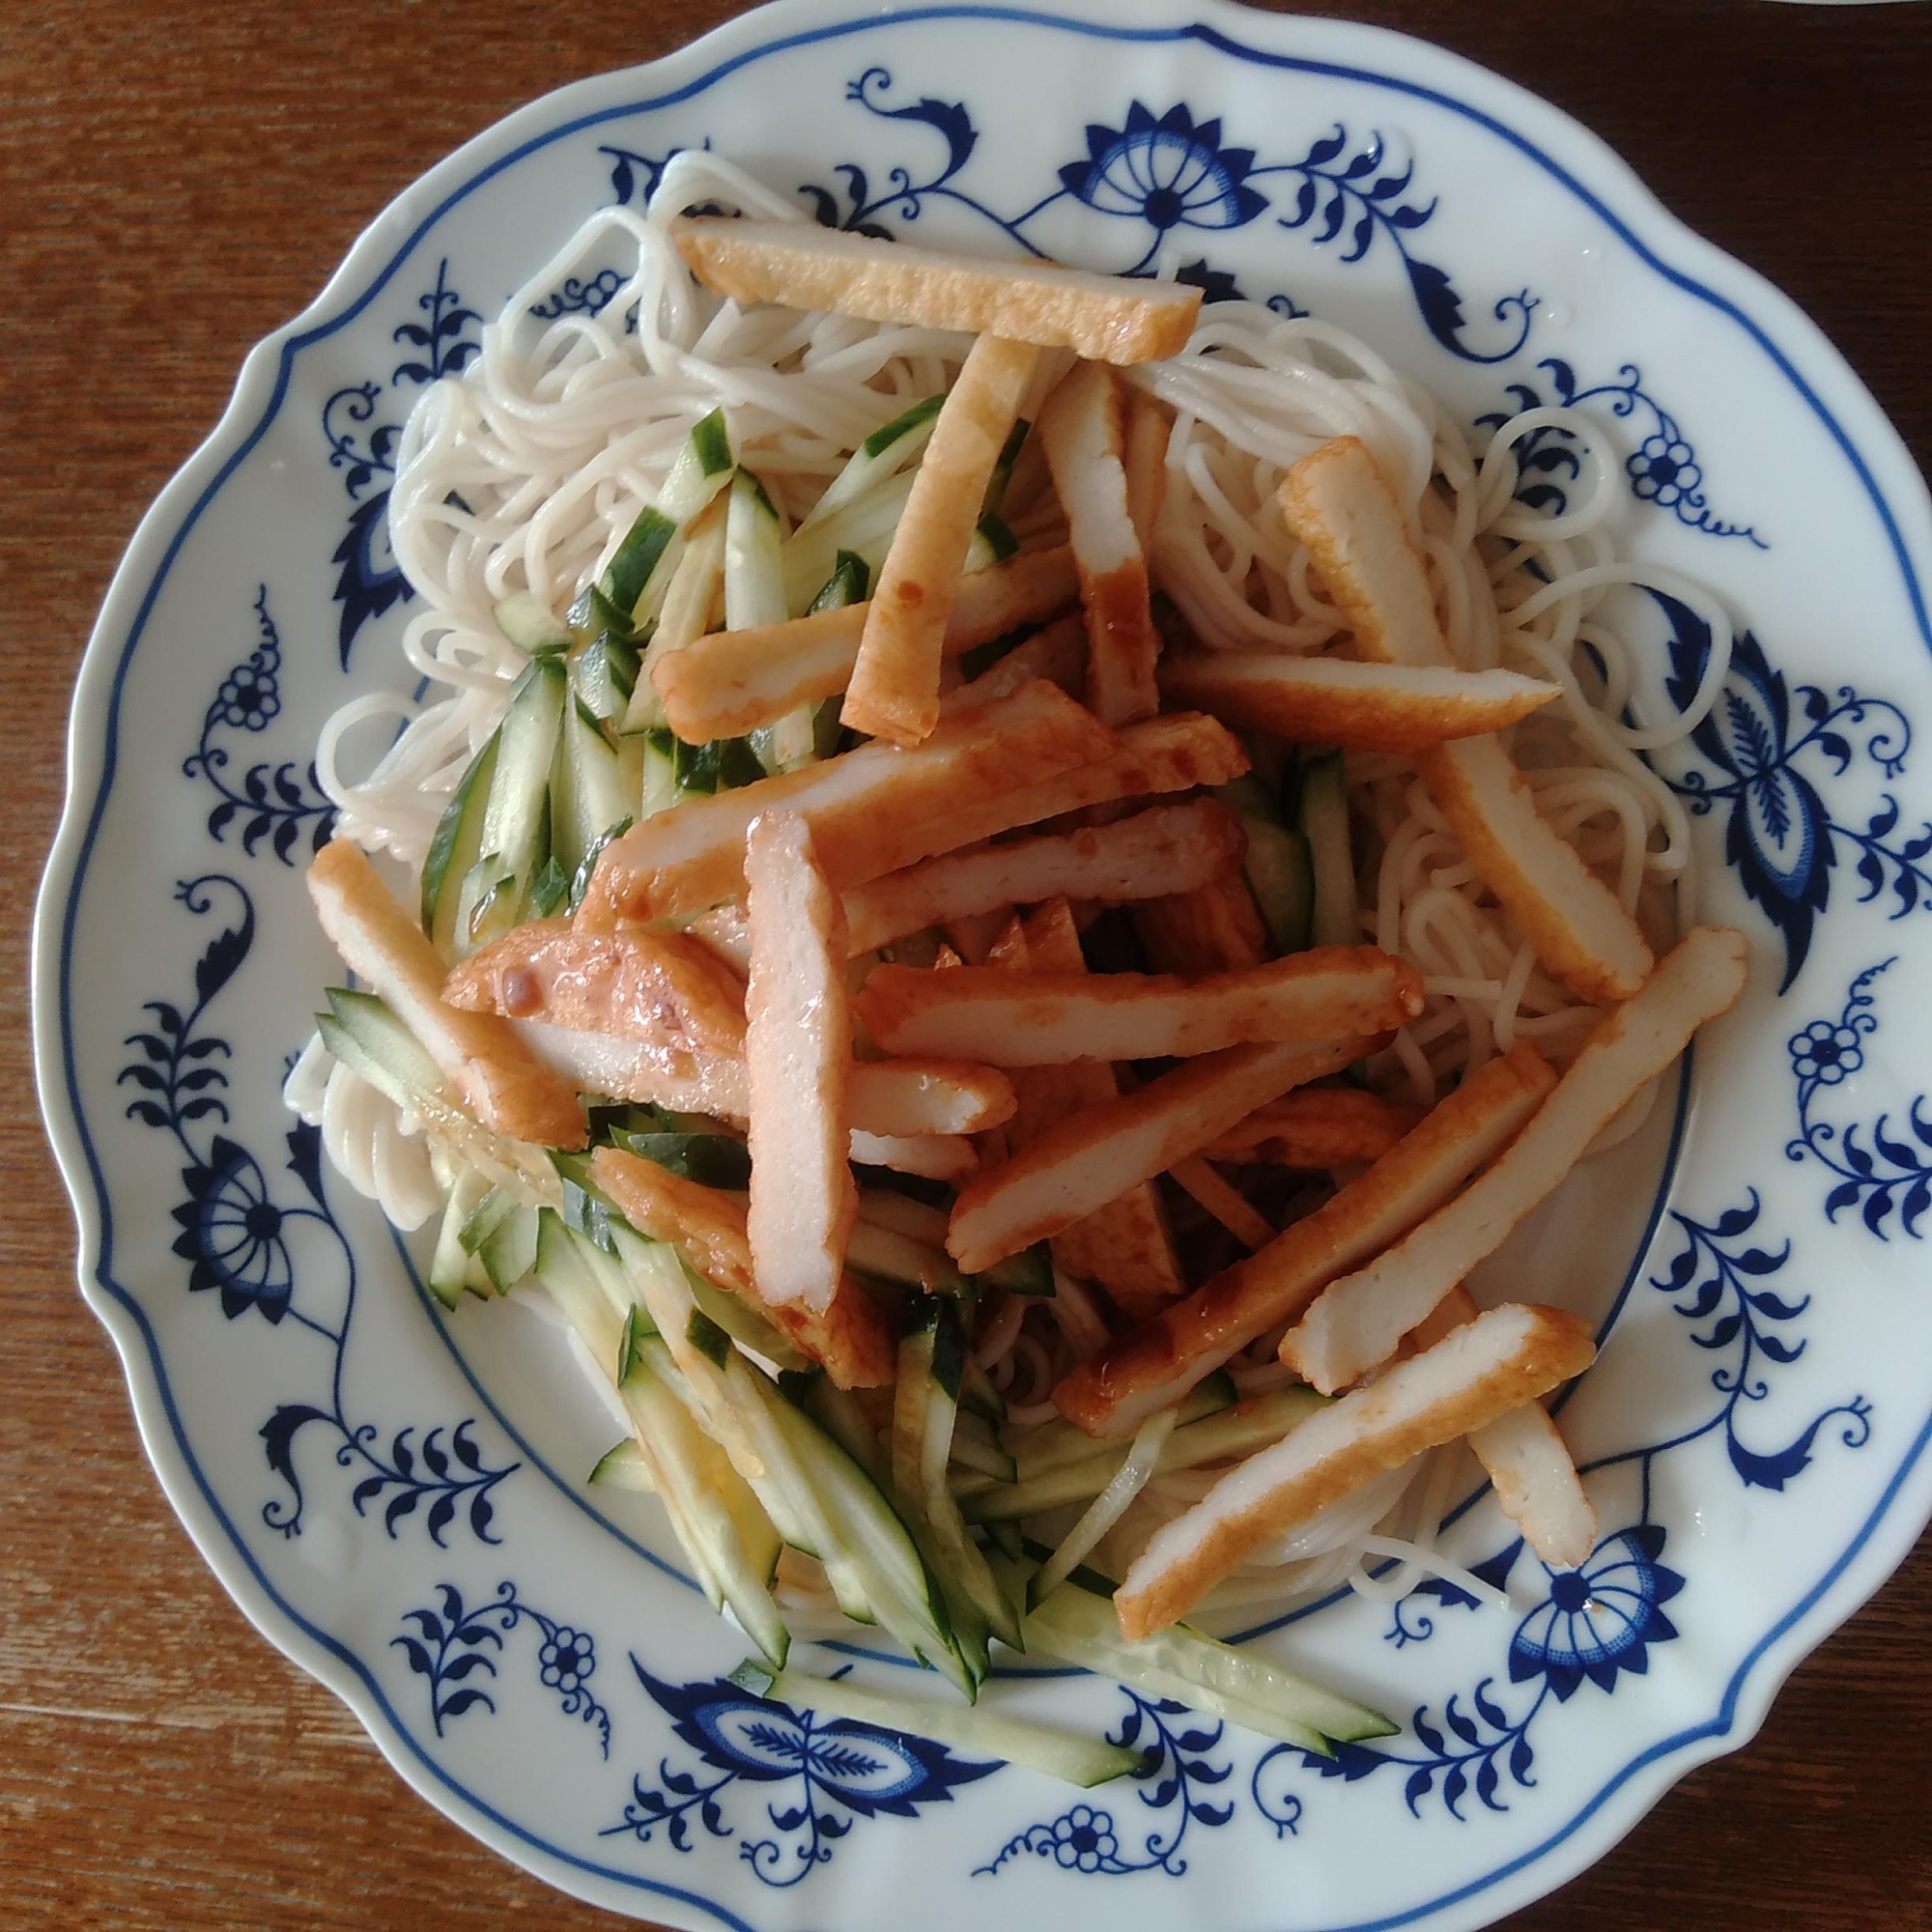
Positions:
(1052, 1445)
(1243, 1431)
(714, 1160)
(377, 1038)
(847, 584)
(1324, 824)
(1029, 1272)
(882, 439)
(456, 847)
(622, 1466)
(531, 626)
(449, 1264)
(711, 445)
(925, 1401)
(517, 815)
(1078, 1626)
(637, 556)
(1276, 864)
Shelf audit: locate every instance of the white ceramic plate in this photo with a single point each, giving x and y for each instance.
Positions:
(396, 1501)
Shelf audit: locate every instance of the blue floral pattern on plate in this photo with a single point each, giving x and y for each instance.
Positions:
(1663, 469)
(453, 1645)
(235, 1237)
(815, 1779)
(1766, 770)
(1179, 1769)
(1160, 173)
(1884, 1174)
(276, 800)
(362, 427)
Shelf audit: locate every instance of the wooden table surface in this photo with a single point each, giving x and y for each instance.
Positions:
(174, 182)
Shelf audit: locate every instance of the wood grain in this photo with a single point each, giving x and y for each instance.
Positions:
(174, 182)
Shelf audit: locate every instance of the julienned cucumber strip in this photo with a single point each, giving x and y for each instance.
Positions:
(737, 1318)
(1276, 864)
(977, 1393)
(362, 1032)
(516, 819)
(922, 1422)
(509, 1251)
(1052, 1445)
(1078, 1626)
(706, 1336)
(450, 1265)
(636, 576)
(1237, 1432)
(975, 1447)
(1324, 824)
(638, 1331)
(932, 1355)
(568, 1280)
(622, 1466)
(992, 541)
(753, 577)
(725, 1536)
(457, 845)
(1003, 469)
(728, 1538)
(884, 452)
(580, 883)
(821, 1501)
(756, 1532)
(841, 1418)
(896, 1239)
(884, 1254)
(593, 615)
(978, 1732)
(744, 1431)
(529, 624)
(865, 526)
(660, 790)
(549, 889)
(588, 791)
(637, 559)
(722, 766)
(904, 437)
(1027, 1272)
(848, 583)
(714, 1160)
(869, 1538)
(710, 446)
(755, 595)
(607, 674)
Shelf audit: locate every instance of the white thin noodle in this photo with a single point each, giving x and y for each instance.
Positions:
(525, 472)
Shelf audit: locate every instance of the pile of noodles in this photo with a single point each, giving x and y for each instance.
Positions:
(525, 472)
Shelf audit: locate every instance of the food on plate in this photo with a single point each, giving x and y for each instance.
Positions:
(1366, 707)
(1524, 1457)
(1100, 317)
(1357, 1322)
(1083, 431)
(894, 688)
(727, 683)
(1338, 502)
(1015, 878)
(1156, 852)
(1136, 1375)
(1477, 1373)
(1044, 1020)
